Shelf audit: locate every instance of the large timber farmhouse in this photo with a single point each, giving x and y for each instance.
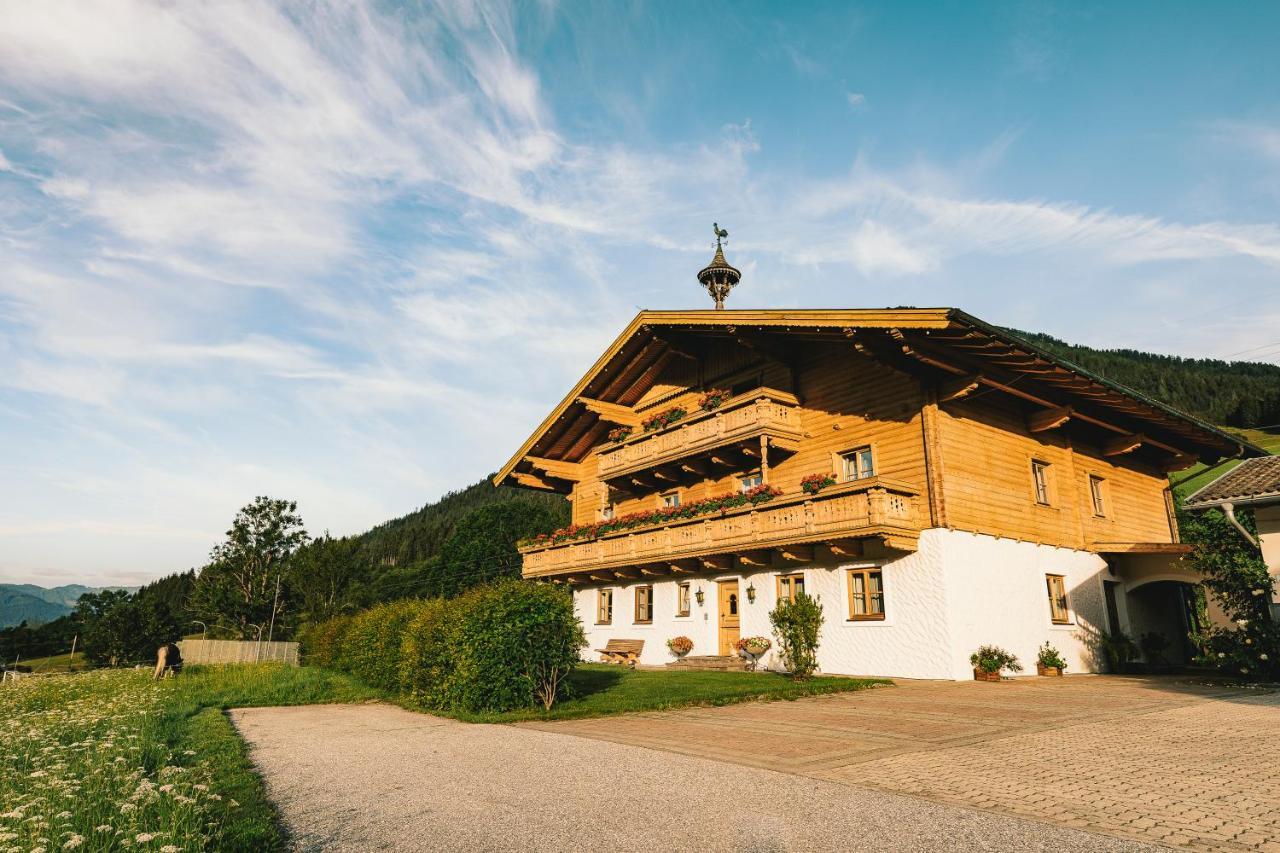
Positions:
(937, 482)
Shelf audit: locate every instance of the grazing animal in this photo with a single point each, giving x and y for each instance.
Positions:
(168, 661)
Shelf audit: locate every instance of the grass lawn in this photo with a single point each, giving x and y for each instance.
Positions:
(598, 690)
(96, 759)
(56, 663)
(1199, 475)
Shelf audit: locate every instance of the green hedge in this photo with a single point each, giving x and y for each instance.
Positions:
(497, 647)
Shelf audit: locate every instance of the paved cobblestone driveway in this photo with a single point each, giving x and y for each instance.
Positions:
(1144, 758)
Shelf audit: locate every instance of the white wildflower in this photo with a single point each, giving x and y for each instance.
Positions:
(143, 837)
(1263, 656)
(1242, 622)
(125, 808)
(63, 815)
(73, 842)
(102, 827)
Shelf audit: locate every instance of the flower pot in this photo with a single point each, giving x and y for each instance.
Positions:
(983, 675)
(1049, 671)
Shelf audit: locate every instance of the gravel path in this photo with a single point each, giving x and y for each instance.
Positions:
(376, 777)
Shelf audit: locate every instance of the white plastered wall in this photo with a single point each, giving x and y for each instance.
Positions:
(957, 592)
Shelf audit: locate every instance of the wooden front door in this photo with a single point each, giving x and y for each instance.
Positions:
(730, 620)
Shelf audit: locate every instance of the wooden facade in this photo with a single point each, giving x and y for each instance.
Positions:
(964, 426)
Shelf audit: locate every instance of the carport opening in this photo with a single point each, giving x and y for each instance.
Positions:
(1163, 616)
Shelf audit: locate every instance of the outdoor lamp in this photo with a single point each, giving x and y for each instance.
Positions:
(751, 593)
(698, 594)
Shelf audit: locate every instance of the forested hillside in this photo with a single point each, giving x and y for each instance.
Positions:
(1235, 393)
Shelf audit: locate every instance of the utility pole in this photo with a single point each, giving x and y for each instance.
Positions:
(72, 659)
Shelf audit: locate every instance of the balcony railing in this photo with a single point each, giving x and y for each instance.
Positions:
(847, 511)
(763, 413)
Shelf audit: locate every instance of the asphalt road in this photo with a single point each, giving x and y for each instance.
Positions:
(376, 777)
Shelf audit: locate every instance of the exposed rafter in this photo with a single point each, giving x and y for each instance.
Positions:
(1048, 419)
(611, 412)
(961, 386)
(1123, 444)
(571, 471)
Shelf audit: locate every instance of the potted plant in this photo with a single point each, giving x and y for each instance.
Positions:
(815, 483)
(621, 433)
(713, 399)
(663, 419)
(680, 646)
(753, 648)
(989, 661)
(1049, 662)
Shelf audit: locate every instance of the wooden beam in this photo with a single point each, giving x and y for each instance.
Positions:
(693, 466)
(571, 471)
(717, 562)
(611, 412)
(845, 547)
(759, 559)
(659, 474)
(533, 481)
(961, 386)
(651, 572)
(1123, 444)
(723, 461)
(796, 553)
(682, 567)
(1048, 419)
(603, 577)
(626, 574)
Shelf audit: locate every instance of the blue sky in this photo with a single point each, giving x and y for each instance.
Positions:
(350, 253)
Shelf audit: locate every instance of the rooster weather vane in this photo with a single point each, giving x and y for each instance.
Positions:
(718, 277)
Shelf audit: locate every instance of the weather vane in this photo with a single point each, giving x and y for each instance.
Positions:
(719, 277)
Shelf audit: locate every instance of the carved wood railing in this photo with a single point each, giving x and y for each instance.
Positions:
(765, 412)
(846, 510)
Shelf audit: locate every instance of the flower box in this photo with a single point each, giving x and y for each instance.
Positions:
(663, 419)
(983, 675)
(1048, 671)
(714, 399)
(815, 483)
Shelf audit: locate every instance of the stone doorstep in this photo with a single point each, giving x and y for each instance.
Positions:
(710, 662)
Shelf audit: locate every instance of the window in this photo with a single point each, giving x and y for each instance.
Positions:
(644, 604)
(606, 514)
(866, 594)
(749, 482)
(1040, 477)
(1095, 492)
(682, 599)
(670, 499)
(1058, 611)
(604, 606)
(789, 586)
(858, 464)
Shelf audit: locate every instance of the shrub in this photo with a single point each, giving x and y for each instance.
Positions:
(1050, 658)
(512, 644)
(425, 659)
(994, 659)
(796, 624)
(321, 642)
(372, 645)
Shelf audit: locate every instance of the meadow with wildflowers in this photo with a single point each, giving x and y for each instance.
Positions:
(112, 760)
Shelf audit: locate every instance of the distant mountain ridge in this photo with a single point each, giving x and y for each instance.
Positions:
(26, 602)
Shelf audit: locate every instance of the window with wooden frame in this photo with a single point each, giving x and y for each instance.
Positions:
(644, 604)
(669, 499)
(1040, 481)
(1058, 610)
(682, 599)
(866, 594)
(789, 586)
(857, 464)
(1095, 494)
(604, 606)
(749, 481)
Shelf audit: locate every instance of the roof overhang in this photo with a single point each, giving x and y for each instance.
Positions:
(945, 346)
(1141, 548)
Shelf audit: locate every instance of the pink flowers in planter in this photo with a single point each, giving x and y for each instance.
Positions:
(815, 483)
(680, 646)
(621, 433)
(714, 399)
(758, 495)
(663, 419)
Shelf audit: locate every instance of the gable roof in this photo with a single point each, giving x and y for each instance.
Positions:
(1253, 481)
(937, 344)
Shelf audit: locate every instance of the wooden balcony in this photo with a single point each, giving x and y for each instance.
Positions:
(780, 532)
(729, 437)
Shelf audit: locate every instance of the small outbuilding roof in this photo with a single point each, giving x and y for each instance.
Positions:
(1253, 481)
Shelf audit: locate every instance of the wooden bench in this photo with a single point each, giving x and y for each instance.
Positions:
(622, 652)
